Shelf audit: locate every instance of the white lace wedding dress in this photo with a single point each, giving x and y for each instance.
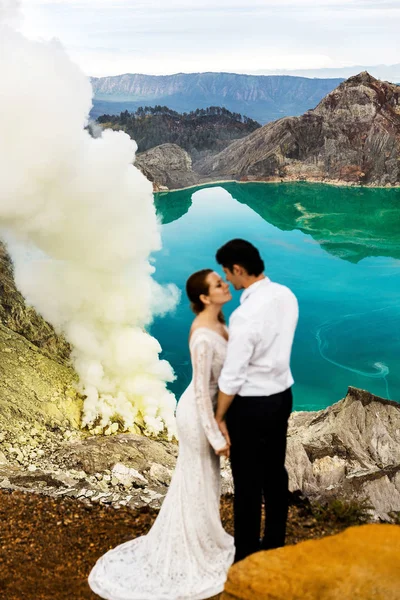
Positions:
(187, 553)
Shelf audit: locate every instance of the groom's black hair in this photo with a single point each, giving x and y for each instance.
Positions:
(240, 252)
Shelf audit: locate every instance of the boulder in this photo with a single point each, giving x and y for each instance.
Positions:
(127, 476)
(360, 563)
(160, 474)
(98, 453)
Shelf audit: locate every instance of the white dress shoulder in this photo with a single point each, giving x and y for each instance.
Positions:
(187, 553)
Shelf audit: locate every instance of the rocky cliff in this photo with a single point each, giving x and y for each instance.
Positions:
(167, 166)
(352, 136)
(350, 449)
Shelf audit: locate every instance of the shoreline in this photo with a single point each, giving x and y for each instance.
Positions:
(332, 182)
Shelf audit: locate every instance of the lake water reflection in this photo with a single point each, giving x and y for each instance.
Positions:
(337, 248)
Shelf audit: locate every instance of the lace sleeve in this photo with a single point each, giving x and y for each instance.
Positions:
(202, 361)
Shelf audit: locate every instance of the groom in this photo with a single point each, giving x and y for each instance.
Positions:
(255, 398)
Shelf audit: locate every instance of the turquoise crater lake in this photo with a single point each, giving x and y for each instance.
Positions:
(337, 248)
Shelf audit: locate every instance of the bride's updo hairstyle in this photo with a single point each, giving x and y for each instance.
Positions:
(197, 285)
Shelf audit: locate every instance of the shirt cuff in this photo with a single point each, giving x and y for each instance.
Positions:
(229, 390)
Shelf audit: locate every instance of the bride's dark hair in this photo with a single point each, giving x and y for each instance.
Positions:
(197, 285)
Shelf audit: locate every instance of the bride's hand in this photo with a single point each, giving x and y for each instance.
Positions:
(225, 451)
(224, 430)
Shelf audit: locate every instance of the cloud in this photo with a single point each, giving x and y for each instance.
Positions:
(219, 5)
(111, 37)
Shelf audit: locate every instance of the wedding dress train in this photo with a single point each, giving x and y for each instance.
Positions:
(187, 553)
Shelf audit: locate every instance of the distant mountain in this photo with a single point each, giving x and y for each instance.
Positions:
(263, 98)
(353, 135)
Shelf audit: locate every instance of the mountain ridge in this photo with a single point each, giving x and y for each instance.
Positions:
(352, 136)
(261, 97)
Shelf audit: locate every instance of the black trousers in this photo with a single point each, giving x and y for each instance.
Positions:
(257, 427)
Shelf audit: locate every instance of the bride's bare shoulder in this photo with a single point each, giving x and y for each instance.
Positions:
(196, 324)
(197, 328)
(193, 329)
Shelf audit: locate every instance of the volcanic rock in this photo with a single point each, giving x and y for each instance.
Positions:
(98, 453)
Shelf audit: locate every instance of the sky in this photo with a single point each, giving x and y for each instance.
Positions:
(110, 37)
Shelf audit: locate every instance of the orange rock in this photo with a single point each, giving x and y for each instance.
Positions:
(361, 563)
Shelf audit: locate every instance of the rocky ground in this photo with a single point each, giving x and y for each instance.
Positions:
(67, 497)
(349, 451)
(48, 544)
(119, 470)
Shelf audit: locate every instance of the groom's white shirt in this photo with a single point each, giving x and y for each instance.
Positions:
(261, 332)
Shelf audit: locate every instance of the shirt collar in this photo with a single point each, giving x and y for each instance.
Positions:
(252, 288)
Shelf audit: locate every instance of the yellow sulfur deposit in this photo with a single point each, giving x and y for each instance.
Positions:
(361, 563)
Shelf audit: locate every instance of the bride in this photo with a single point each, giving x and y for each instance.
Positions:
(187, 553)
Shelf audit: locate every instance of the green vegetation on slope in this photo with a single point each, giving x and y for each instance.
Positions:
(204, 129)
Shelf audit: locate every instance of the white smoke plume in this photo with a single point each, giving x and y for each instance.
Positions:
(86, 214)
